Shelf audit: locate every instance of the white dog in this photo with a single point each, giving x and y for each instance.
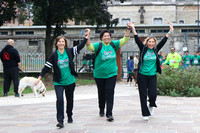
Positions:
(30, 81)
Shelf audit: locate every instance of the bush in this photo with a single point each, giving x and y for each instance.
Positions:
(179, 82)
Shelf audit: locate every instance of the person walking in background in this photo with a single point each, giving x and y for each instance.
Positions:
(61, 60)
(105, 69)
(173, 58)
(186, 59)
(160, 55)
(130, 65)
(164, 57)
(149, 65)
(195, 59)
(84, 62)
(181, 65)
(136, 61)
(11, 67)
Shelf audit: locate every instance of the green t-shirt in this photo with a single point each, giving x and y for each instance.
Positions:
(63, 63)
(186, 59)
(149, 63)
(105, 62)
(90, 63)
(195, 60)
(84, 62)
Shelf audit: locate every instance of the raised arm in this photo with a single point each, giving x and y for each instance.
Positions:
(87, 35)
(170, 31)
(137, 39)
(134, 30)
(125, 39)
(164, 40)
(88, 45)
(128, 31)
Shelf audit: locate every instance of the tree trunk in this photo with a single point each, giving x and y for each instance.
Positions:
(48, 42)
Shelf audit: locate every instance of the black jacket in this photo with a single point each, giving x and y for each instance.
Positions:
(53, 59)
(143, 49)
(10, 57)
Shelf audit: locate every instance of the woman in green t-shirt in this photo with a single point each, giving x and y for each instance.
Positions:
(149, 65)
(105, 69)
(61, 60)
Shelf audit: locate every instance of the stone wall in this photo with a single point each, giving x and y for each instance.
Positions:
(74, 33)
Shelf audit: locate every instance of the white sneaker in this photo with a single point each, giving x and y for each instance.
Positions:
(127, 85)
(146, 118)
(151, 110)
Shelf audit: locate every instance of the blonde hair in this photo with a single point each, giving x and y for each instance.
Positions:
(148, 38)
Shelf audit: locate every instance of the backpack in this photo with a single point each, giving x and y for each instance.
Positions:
(99, 49)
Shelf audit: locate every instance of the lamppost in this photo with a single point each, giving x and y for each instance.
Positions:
(198, 28)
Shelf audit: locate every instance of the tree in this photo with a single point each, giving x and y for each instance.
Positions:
(8, 10)
(56, 12)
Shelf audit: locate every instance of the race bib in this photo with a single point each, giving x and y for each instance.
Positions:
(171, 61)
(195, 61)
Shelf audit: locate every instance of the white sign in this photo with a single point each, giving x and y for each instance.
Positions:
(184, 49)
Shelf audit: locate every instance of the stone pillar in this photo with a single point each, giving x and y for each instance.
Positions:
(119, 64)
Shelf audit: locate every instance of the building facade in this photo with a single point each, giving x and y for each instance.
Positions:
(149, 12)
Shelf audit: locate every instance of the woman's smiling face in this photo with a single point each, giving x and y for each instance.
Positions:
(151, 43)
(106, 37)
(61, 43)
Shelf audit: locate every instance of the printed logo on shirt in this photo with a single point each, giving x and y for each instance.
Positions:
(63, 63)
(108, 55)
(150, 56)
(6, 56)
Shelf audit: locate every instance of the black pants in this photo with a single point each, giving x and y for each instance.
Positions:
(106, 89)
(147, 85)
(84, 65)
(9, 75)
(69, 93)
(130, 77)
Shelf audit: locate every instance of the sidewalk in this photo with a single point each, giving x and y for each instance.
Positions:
(38, 115)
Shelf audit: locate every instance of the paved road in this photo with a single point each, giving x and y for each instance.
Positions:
(38, 115)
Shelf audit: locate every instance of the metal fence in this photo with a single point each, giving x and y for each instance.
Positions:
(34, 62)
(31, 62)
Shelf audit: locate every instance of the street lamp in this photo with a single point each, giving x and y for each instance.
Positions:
(198, 28)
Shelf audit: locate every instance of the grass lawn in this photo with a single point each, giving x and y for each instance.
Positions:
(29, 90)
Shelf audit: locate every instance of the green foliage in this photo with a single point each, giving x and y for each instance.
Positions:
(84, 82)
(179, 82)
(8, 10)
(57, 12)
(194, 91)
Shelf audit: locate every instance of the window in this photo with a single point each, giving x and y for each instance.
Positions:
(99, 31)
(24, 32)
(125, 21)
(33, 43)
(159, 31)
(140, 31)
(181, 22)
(124, 0)
(189, 30)
(157, 21)
(4, 33)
